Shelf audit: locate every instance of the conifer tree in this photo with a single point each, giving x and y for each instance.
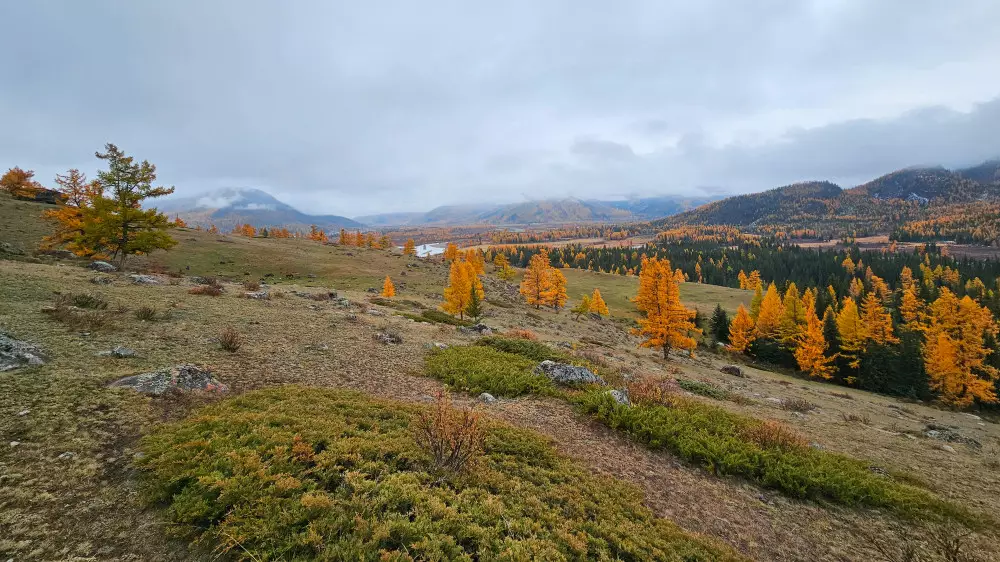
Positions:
(450, 252)
(500, 262)
(741, 331)
(68, 217)
(793, 317)
(851, 332)
(582, 307)
(537, 281)
(719, 324)
(769, 318)
(388, 289)
(597, 304)
(475, 258)
(667, 323)
(876, 321)
(810, 354)
(755, 302)
(462, 280)
(409, 248)
(475, 306)
(742, 278)
(955, 352)
(555, 296)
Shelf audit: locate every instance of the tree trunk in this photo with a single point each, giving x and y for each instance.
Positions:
(666, 351)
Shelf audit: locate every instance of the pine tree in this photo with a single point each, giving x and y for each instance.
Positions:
(556, 296)
(537, 280)
(851, 333)
(475, 306)
(876, 321)
(462, 280)
(388, 289)
(450, 252)
(755, 302)
(810, 353)
(741, 331)
(582, 307)
(409, 248)
(68, 217)
(597, 304)
(667, 323)
(793, 317)
(769, 318)
(955, 352)
(719, 325)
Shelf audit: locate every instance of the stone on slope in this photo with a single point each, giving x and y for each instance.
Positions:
(16, 353)
(565, 374)
(140, 279)
(620, 396)
(179, 377)
(732, 370)
(119, 352)
(102, 266)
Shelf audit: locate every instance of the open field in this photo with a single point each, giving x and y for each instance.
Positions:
(70, 487)
(881, 242)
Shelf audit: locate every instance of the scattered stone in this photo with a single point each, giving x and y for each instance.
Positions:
(23, 413)
(342, 302)
(947, 448)
(435, 345)
(257, 295)
(371, 290)
(102, 266)
(66, 456)
(8, 248)
(817, 446)
(311, 275)
(974, 416)
(564, 344)
(119, 352)
(733, 370)
(101, 279)
(180, 377)
(318, 347)
(140, 279)
(374, 312)
(620, 396)
(16, 353)
(15, 443)
(879, 471)
(481, 329)
(487, 398)
(562, 373)
(774, 400)
(948, 434)
(388, 337)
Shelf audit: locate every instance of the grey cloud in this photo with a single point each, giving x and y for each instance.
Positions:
(353, 108)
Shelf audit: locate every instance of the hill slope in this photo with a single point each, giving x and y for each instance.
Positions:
(230, 207)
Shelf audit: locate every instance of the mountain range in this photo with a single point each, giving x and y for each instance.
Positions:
(234, 206)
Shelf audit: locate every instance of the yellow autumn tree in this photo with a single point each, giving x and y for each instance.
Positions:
(69, 215)
(451, 252)
(810, 354)
(597, 304)
(667, 323)
(556, 296)
(500, 261)
(388, 289)
(409, 248)
(462, 280)
(475, 258)
(793, 317)
(741, 331)
(754, 281)
(768, 319)
(954, 350)
(877, 321)
(742, 278)
(537, 281)
(852, 332)
(910, 305)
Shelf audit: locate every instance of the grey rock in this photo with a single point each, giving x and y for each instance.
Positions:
(102, 266)
(388, 337)
(733, 370)
(372, 290)
(16, 353)
(257, 295)
(66, 456)
(620, 396)
(342, 302)
(140, 279)
(947, 448)
(949, 435)
(15, 443)
(23, 413)
(436, 345)
(101, 279)
(564, 374)
(179, 377)
(375, 312)
(487, 398)
(8, 248)
(481, 329)
(119, 352)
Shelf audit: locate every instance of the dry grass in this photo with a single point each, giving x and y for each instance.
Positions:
(772, 433)
(207, 290)
(251, 285)
(452, 437)
(795, 404)
(145, 313)
(230, 340)
(653, 391)
(521, 333)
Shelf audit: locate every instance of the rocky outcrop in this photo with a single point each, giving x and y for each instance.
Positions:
(119, 352)
(567, 375)
(16, 353)
(732, 370)
(102, 266)
(479, 329)
(140, 279)
(179, 377)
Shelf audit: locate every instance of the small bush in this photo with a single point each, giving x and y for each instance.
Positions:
(843, 395)
(774, 434)
(295, 473)
(480, 368)
(525, 348)
(77, 318)
(252, 286)
(521, 334)
(706, 389)
(207, 290)
(92, 302)
(451, 437)
(797, 405)
(443, 318)
(388, 336)
(856, 418)
(653, 391)
(230, 340)
(145, 313)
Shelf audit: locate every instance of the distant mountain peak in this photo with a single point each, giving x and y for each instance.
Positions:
(231, 206)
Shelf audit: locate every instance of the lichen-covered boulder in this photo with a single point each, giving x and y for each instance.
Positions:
(102, 266)
(178, 377)
(15, 353)
(568, 375)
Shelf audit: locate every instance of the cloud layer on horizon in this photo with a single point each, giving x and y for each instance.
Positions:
(353, 109)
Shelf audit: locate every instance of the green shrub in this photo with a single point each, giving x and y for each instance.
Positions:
(478, 369)
(704, 389)
(718, 441)
(533, 350)
(316, 474)
(436, 316)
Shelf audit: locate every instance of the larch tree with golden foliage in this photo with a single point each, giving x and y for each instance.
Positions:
(537, 281)
(69, 215)
(793, 317)
(810, 354)
(954, 354)
(388, 289)
(451, 252)
(768, 319)
(667, 323)
(410, 247)
(877, 321)
(742, 331)
(582, 307)
(851, 331)
(597, 304)
(462, 280)
(556, 296)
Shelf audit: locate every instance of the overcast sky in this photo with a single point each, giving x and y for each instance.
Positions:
(363, 107)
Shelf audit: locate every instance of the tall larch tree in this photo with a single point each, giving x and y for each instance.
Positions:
(582, 307)
(462, 280)
(409, 248)
(667, 323)
(19, 183)
(851, 332)
(451, 252)
(755, 302)
(597, 304)
(537, 281)
(810, 354)
(388, 289)
(768, 320)
(69, 216)
(954, 350)
(556, 296)
(793, 317)
(742, 331)
(877, 321)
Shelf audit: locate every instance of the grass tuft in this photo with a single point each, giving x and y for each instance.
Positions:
(316, 474)
(230, 340)
(145, 313)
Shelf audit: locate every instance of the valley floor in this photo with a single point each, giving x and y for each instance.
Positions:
(67, 442)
